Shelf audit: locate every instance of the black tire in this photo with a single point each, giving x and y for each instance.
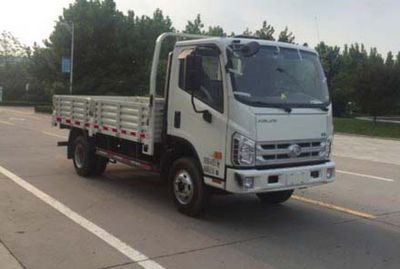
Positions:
(186, 168)
(276, 197)
(100, 166)
(84, 157)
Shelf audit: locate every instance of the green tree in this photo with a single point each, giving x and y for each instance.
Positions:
(13, 67)
(216, 31)
(376, 86)
(330, 59)
(10, 47)
(247, 32)
(286, 36)
(44, 80)
(331, 62)
(195, 27)
(390, 59)
(266, 32)
(113, 51)
(398, 59)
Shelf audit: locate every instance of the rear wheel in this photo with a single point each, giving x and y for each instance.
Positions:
(275, 197)
(187, 187)
(84, 157)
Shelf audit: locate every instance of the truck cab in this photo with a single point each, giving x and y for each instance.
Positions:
(257, 112)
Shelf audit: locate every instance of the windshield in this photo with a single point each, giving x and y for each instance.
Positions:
(279, 77)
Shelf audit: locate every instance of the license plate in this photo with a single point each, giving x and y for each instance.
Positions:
(297, 178)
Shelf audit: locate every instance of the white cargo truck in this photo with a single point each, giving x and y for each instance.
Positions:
(237, 114)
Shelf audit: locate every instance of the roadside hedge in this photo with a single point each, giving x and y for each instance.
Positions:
(44, 109)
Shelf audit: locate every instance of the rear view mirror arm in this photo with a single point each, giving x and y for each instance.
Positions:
(207, 116)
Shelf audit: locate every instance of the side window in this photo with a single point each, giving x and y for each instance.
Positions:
(211, 90)
(182, 74)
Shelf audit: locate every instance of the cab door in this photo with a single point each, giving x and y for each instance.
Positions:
(206, 131)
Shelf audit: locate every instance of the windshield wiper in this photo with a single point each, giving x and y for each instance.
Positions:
(286, 108)
(244, 94)
(322, 106)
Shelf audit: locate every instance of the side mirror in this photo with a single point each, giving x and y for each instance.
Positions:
(193, 72)
(250, 49)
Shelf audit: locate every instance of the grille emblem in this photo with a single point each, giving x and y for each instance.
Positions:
(294, 151)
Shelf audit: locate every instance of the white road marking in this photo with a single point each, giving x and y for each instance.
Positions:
(367, 176)
(55, 135)
(110, 239)
(19, 119)
(6, 123)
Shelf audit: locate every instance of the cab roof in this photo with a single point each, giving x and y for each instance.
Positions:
(224, 42)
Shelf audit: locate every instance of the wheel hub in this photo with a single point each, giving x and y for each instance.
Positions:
(183, 187)
(79, 155)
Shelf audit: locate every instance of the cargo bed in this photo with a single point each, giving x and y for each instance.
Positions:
(123, 117)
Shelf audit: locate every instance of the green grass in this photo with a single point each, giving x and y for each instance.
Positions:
(369, 128)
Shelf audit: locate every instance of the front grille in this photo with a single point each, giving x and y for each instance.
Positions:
(280, 152)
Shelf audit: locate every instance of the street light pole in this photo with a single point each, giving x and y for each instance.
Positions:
(71, 75)
(71, 30)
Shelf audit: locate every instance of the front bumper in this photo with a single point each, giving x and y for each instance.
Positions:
(239, 181)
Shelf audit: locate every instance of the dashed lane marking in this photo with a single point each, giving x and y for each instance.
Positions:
(364, 175)
(334, 207)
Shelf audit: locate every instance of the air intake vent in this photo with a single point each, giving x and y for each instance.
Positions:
(290, 151)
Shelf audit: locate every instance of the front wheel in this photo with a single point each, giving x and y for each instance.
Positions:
(276, 197)
(187, 186)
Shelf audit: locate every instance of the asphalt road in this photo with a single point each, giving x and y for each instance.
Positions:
(52, 218)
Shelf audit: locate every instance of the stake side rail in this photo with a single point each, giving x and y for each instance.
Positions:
(125, 118)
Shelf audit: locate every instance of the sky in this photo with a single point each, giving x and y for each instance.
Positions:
(337, 22)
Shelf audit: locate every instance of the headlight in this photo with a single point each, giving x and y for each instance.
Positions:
(326, 149)
(243, 150)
